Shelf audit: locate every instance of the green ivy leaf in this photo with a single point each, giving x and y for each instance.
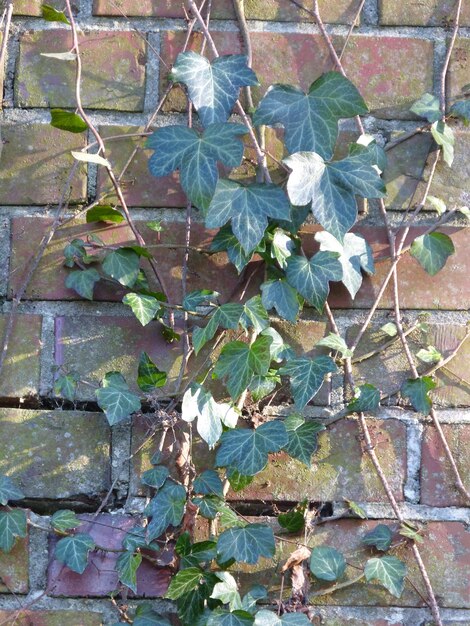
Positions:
(12, 524)
(199, 298)
(238, 481)
(311, 120)
(432, 251)
(73, 251)
(195, 156)
(356, 509)
(126, 566)
(8, 490)
(136, 538)
(354, 254)
(227, 316)
(208, 506)
(311, 278)
(438, 204)
(115, 398)
(294, 520)
(53, 15)
(227, 591)
(327, 563)
(410, 531)
(66, 386)
(388, 570)
(169, 334)
(280, 351)
(246, 544)
(146, 616)
(306, 377)
(199, 403)
(428, 107)
(239, 362)
(257, 592)
(225, 241)
(461, 109)
(380, 537)
(282, 247)
(209, 483)
(417, 390)
(444, 136)
(104, 213)
(184, 581)
(65, 520)
(213, 87)
(65, 120)
(156, 476)
(220, 617)
(334, 342)
(261, 386)
(145, 308)
(366, 399)
(389, 329)
(248, 210)
(332, 187)
(302, 438)
(278, 294)
(149, 377)
(268, 618)
(73, 551)
(254, 314)
(228, 517)
(123, 266)
(429, 355)
(247, 449)
(166, 509)
(83, 282)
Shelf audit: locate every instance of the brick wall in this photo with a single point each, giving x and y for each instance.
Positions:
(70, 458)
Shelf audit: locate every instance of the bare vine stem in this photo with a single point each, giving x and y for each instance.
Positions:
(5, 36)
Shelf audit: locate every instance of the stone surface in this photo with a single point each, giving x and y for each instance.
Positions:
(21, 373)
(437, 479)
(421, 13)
(385, 68)
(457, 77)
(33, 7)
(55, 454)
(100, 577)
(35, 163)
(14, 568)
(53, 618)
(114, 78)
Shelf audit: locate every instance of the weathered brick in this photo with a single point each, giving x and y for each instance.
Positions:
(457, 77)
(318, 619)
(437, 479)
(33, 7)
(114, 78)
(53, 618)
(35, 163)
(100, 577)
(14, 568)
(386, 69)
(21, 372)
(421, 13)
(55, 454)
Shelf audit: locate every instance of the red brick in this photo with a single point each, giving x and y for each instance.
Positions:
(421, 13)
(33, 7)
(113, 79)
(392, 72)
(100, 578)
(53, 618)
(35, 163)
(437, 479)
(457, 77)
(19, 380)
(14, 568)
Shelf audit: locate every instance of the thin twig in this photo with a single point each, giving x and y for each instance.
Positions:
(5, 37)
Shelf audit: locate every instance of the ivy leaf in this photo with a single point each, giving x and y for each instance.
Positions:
(12, 524)
(278, 294)
(198, 298)
(366, 399)
(145, 308)
(311, 120)
(461, 109)
(388, 570)
(311, 278)
(126, 566)
(136, 538)
(65, 120)
(83, 157)
(66, 386)
(302, 438)
(279, 350)
(247, 449)
(417, 390)
(73, 551)
(437, 204)
(208, 506)
(268, 618)
(410, 531)
(104, 213)
(8, 490)
(380, 537)
(220, 617)
(238, 481)
(166, 509)
(254, 314)
(257, 592)
(196, 156)
(73, 251)
(227, 591)
(306, 377)
(389, 329)
(199, 403)
(149, 377)
(354, 254)
(356, 509)
(209, 483)
(156, 476)
(225, 241)
(83, 282)
(444, 136)
(246, 544)
(213, 87)
(429, 355)
(334, 342)
(146, 616)
(248, 210)
(239, 362)
(53, 15)
(428, 107)
(294, 520)
(65, 520)
(227, 316)
(282, 247)
(122, 265)
(184, 581)
(261, 386)
(332, 187)
(115, 398)
(327, 563)
(432, 251)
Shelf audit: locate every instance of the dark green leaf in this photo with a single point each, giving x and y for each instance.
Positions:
(257, 592)
(53, 15)
(380, 537)
(146, 616)
(65, 120)
(12, 524)
(311, 278)
(292, 521)
(220, 617)
(327, 563)
(166, 509)
(336, 343)
(123, 266)
(417, 390)
(311, 120)
(209, 483)
(104, 213)
(184, 581)
(83, 282)
(213, 87)
(66, 386)
(461, 109)
(268, 618)
(73, 551)
(428, 107)
(261, 386)
(225, 240)
(156, 476)
(73, 251)
(302, 438)
(432, 251)
(444, 136)
(278, 294)
(149, 377)
(208, 506)
(169, 334)
(390, 571)
(280, 351)
(246, 544)
(64, 520)
(248, 210)
(254, 314)
(238, 481)
(126, 567)
(8, 490)
(198, 298)
(199, 403)
(247, 450)
(115, 398)
(306, 377)
(366, 399)
(191, 605)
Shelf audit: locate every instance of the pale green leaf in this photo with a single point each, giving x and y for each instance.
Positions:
(145, 308)
(337, 343)
(444, 136)
(211, 415)
(432, 251)
(184, 581)
(428, 107)
(269, 618)
(53, 15)
(388, 570)
(389, 329)
(65, 520)
(429, 355)
(104, 213)
(66, 386)
(86, 157)
(437, 204)
(115, 398)
(227, 591)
